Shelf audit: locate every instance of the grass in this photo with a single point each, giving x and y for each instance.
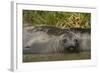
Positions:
(57, 18)
(56, 57)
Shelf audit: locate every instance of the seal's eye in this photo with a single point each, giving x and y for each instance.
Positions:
(64, 40)
(75, 40)
(27, 47)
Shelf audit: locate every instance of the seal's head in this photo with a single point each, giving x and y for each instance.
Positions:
(70, 42)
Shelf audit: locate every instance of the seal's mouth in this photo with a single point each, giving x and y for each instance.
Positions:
(71, 49)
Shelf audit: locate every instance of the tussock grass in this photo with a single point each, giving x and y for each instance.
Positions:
(57, 19)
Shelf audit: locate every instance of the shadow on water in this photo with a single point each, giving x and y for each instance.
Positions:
(56, 57)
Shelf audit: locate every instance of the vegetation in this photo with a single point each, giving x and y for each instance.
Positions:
(57, 19)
